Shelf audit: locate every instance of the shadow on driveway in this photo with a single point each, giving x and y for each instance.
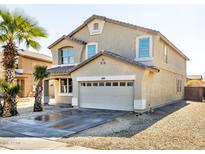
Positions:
(131, 123)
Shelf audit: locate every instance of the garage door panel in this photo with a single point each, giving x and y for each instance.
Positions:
(107, 97)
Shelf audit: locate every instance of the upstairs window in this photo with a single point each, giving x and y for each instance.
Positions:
(165, 55)
(66, 56)
(95, 26)
(144, 44)
(144, 47)
(91, 50)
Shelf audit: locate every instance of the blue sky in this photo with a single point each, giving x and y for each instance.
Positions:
(184, 25)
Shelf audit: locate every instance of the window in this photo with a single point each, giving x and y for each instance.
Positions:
(95, 84)
(95, 26)
(83, 84)
(70, 85)
(101, 84)
(17, 62)
(108, 83)
(179, 85)
(91, 50)
(63, 85)
(115, 84)
(165, 55)
(129, 84)
(122, 84)
(89, 84)
(66, 86)
(66, 56)
(144, 44)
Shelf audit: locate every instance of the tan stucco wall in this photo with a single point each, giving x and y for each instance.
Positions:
(94, 68)
(64, 43)
(160, 88)
(60, 99)
(122, 40)
(176, 63)
(156, 89)
(115, 38)
(27, 64)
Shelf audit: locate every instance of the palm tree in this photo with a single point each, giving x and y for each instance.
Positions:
(16, 28)
(40, 72)
(9, 91)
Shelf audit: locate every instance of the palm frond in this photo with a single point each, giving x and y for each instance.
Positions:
(33, 44)
(9, 89)
(40, 72)
(20, 28)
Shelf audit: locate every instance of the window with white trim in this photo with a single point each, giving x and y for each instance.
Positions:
(66, 86)
(165, 55)
(66, 55)
(144, 47)
(91, 50)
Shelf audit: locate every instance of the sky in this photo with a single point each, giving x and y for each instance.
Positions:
(183, 25)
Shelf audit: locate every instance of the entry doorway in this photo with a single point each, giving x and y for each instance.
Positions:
(21, 83)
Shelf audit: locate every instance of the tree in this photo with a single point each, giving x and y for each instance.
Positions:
(40, 72)
(9, 92)
(16, 28)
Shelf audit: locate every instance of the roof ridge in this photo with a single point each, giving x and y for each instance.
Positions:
(94, 16)
(130, 26)
(68, 37)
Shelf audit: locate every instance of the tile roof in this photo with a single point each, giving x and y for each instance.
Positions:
(66, 37)
(129, 26)
(60, 70)
(195, 77)
(70, 69)
(32, 55)
(111, 21)
(36, 55)
(114, 55)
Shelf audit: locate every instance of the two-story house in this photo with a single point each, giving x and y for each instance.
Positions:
(109, 64)
(25, 64)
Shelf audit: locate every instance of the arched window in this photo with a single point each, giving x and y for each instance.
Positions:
(95, 26)
(66, 55)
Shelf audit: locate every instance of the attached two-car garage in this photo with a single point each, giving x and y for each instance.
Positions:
(112, 95)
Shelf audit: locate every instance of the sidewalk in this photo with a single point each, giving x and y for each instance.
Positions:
(34, 144)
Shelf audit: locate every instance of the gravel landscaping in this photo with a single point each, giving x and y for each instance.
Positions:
(177, 126)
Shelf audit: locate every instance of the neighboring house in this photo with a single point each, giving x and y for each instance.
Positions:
(194, 77)
(24, 70)
(109, 64)
(195, 81)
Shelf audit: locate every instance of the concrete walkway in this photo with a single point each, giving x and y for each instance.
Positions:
(34, 144)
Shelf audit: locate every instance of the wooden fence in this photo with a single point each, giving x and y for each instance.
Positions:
(194, 93)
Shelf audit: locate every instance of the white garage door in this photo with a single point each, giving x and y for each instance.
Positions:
(113, 95)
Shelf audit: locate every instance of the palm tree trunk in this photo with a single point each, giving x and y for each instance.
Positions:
(7, 112)
(38, 97)
(10, 53)
(1, 109)
(10, 75)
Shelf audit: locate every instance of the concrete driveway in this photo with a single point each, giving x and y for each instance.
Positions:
(62, 123)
